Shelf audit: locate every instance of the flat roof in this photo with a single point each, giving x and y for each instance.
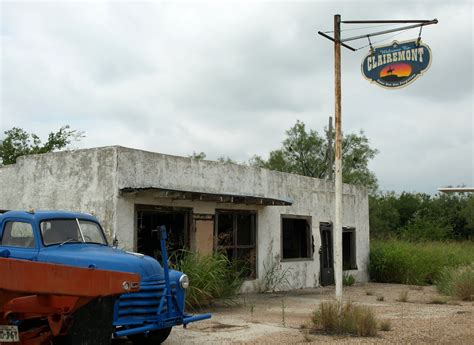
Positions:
(457, 190)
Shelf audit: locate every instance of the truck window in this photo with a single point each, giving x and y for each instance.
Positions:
(60, 230)
(18, 234)
(91, 232)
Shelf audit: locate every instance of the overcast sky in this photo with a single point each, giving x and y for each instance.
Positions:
(228, 78)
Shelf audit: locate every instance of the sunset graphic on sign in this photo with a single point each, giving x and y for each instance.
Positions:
(400, 70)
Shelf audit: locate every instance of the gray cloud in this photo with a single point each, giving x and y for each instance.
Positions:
(230, 78)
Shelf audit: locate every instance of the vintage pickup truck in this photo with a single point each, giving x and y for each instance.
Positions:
(77, 239)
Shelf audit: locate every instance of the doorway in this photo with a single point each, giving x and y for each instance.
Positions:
(326, 254)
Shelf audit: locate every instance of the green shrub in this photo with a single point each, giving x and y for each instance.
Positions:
(211, 276)
(457, 282)
(348, 280)
(396, 261)
(335, 318)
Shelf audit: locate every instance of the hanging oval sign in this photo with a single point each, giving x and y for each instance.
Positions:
(397, 64)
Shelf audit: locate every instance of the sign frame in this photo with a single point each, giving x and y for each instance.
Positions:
(393, 45)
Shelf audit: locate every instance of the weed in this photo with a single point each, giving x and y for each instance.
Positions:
(252, 309)
(369, 292)
(348, 279)
(275, 277)
(438, 300)
(283, 307)
(307, 337)
(385, 325)
(403, 297)
(380, 298)
(336, 318)
(458, 282)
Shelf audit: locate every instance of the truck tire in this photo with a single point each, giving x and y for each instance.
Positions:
(92, 324)
(152, 338)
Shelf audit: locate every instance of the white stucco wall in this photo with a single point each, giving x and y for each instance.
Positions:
(81, 181)
(90, 180)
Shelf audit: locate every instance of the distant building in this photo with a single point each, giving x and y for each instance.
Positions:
(258, 216)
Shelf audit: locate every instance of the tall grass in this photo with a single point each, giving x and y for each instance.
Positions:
(211, 277)
(335, 318)
(457, 282)
(396, 261)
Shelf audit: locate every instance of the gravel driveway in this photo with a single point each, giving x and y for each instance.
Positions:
(284, 318)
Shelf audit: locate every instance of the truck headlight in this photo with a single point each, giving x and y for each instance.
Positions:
(184, 281)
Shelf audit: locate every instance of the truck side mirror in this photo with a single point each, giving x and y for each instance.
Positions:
(115, 242)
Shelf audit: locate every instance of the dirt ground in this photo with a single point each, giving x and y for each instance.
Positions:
(285, 317)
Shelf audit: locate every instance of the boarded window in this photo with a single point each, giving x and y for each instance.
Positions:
(296, 237)
(236, 237)
(18, 234)
(349, 261)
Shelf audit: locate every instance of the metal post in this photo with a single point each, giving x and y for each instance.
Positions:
(337, 230)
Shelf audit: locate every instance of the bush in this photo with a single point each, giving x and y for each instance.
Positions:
(457, 282)
(335, 318)
(404, 262)
(211, 276)
(348, 280)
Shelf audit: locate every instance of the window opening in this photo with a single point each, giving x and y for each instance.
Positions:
(349, 249)
(296, 237)
(236, 237)
(148, 221)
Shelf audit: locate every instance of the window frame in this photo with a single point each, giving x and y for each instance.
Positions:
(4, 226)
(76, 220)
(309, 238)
(235, 246)
(353, 255)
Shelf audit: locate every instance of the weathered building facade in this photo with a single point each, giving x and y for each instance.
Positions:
(261, 217)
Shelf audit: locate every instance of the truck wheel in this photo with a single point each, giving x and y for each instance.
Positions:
(152, 338)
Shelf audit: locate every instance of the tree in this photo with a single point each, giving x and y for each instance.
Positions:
(17, 142)
(198, 156)
(306, 153)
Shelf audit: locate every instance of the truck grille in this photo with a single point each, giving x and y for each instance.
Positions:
(142, 306)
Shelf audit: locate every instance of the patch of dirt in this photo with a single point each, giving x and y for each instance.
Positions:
(265, 319)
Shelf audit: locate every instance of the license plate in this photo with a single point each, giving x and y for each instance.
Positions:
(9, 334)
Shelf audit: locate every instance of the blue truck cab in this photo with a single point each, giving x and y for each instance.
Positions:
(77, 239)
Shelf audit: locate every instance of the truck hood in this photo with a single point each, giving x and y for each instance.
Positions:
(101, 257)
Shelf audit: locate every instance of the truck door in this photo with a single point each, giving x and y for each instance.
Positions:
(18, 238)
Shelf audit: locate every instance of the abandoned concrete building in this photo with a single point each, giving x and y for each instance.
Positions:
(262, 217)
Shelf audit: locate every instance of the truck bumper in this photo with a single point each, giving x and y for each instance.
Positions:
(155, 326)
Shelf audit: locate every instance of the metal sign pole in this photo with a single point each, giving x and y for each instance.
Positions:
(337, 230)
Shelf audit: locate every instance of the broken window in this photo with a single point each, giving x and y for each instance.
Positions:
(296, 237)
(177, 223)
(236, 237)
(349, 248)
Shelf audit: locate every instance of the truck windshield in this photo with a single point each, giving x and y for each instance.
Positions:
(62, 231)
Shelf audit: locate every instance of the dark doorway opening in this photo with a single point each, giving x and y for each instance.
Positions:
(176, 221)
(349, 261)
(326, 254)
